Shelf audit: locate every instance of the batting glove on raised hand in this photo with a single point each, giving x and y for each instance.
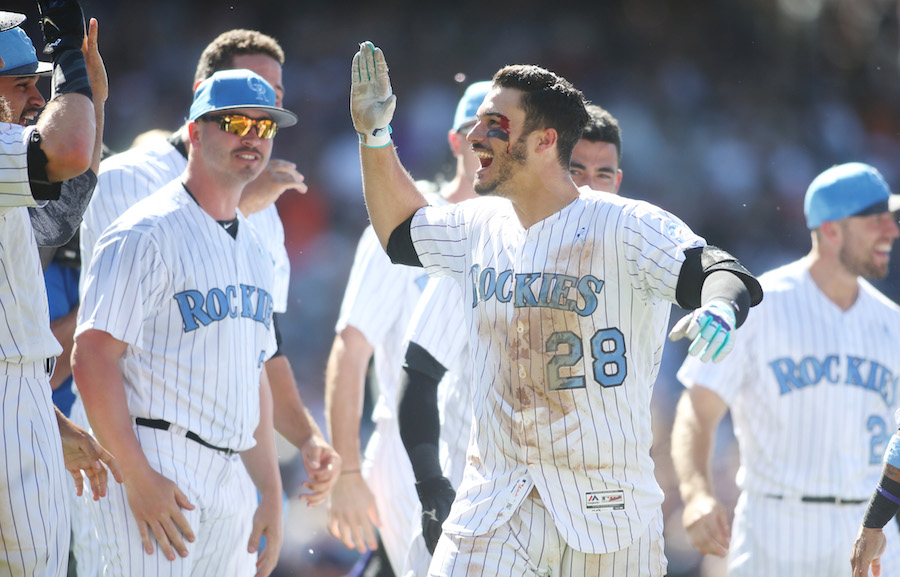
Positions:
(62, 23)
(710, 328)
(436, 496)
(372, 101)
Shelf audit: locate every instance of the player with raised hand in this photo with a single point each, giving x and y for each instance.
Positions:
(810, 390)
(567, 297)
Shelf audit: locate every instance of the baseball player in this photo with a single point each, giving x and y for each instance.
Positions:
(811, 389)
(435, 411)
(377, 306)
(39, 443)
(567, 298)
(133, 175)
(174, 328)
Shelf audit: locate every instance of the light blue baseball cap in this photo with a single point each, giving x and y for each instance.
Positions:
(851, 189)
(469, 103)
(19, 57)
(10, 19)
(235, 89)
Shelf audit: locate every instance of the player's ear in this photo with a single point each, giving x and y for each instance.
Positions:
(546, 139)
(456, 141)
(194, 133)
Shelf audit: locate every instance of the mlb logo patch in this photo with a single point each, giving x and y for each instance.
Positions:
(603, 500)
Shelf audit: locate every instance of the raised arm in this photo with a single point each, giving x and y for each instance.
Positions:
(390, 192)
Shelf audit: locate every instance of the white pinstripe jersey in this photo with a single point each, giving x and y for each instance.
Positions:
(195, 308)
(25, 335)
(567, 325)
(438, 326)
(811, 388)
(379, 301)
(135, 174)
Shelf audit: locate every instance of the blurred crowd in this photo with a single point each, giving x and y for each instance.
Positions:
(727, 111)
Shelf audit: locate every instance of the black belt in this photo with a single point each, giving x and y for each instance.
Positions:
(828, 500)
(165, 425)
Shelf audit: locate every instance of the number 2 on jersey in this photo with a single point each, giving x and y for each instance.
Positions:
(607, 349)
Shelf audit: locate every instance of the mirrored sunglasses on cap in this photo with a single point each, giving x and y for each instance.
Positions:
(240, 125)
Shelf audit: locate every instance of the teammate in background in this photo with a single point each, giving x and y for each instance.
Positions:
(435, 408)
(36, 160)
(811, 389)
(173, 330)
(377, 306)
(598, 154)
(567, 305)
(133, 175)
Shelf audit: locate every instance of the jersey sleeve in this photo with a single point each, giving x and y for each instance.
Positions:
(657, 240)
(440, 236)
(125, 282)
(375, 290)
(438, 323)
(15, 189)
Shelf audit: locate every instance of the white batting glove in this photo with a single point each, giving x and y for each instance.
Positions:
(709, 327)
(372, 101)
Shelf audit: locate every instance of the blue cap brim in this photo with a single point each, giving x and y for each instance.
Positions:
(33, 69)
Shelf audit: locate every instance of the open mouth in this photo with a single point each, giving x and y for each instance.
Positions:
(484, 156)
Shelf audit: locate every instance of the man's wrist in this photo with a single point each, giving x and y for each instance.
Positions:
(379, 138)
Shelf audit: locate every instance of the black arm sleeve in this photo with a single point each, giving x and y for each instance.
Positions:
(723, 284)
(56, 222)
(400, 247)
(419, 416)
(278, 339)
(709, 272)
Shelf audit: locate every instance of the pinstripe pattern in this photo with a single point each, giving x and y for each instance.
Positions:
(609, 265)
(135, 174)
(378, 301)
(812, 392)
(162, 248)
(530, 545)
(438, 326)
(15, 189)
(34, 486)
(221, 520)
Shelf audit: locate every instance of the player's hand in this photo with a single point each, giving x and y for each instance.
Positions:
(707, 527)
(82, 453)
(372, 101)
(323, 467)
(267, 523)
(867, 552)
(352, 514)
(278, 177)
(94, 63)
(436, 496)
(156, 503)
(710, 328)
(62, 23)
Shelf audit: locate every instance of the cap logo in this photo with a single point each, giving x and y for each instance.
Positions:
(257, 87)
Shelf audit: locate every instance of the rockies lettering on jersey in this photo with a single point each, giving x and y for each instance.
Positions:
(859, 372)
(218, 303)
(552, 291)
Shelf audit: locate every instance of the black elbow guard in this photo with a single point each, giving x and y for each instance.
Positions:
(400, 248)
(701, 262)
(41, 187)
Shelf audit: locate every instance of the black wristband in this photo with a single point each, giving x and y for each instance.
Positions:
(70, 74)
(884, 504)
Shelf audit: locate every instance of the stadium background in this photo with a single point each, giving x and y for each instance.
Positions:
(728, 109)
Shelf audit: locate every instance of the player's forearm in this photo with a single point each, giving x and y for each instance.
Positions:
(345, 378)
(262, 460)
(390, 192)
(292, 419)
(68, 129)
(692, 445)
(96, 370)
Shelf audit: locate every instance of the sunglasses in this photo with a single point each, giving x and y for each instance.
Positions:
(240, 125)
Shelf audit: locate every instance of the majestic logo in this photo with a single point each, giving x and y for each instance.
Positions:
(535, 289)
(600, 500)
(199, 309)
(855, 371)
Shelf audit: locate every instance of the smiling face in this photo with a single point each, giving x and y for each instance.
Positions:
(498, 141)
(23, 97)
(867, 242)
